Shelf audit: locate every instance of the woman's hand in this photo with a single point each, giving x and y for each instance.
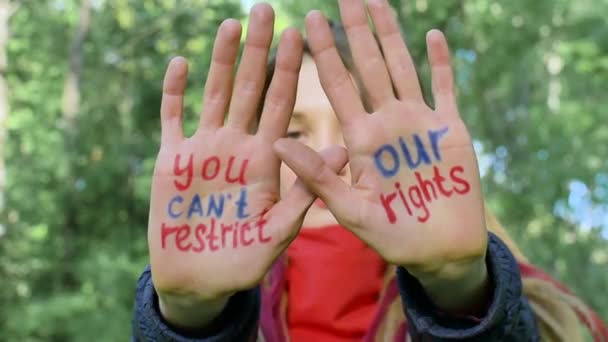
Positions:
(216, 220)
(415, 195)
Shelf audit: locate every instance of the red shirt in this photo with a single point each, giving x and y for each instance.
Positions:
(334, 281)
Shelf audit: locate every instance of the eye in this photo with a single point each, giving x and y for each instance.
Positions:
(294, 134)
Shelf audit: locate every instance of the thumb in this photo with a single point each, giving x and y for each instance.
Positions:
(286, 216)
(318, 176)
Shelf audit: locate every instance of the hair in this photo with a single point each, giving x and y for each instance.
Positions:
(556, 309)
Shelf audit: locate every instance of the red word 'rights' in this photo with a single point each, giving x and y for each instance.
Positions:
(416, 197)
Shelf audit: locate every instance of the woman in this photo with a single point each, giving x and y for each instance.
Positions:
(226, 207)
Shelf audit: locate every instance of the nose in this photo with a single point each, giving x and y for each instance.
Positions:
(329, 140)
(330, 135)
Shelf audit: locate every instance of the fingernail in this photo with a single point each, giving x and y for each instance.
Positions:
(315, 16)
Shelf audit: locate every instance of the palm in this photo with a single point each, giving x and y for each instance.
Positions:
(406, 190)
(220, 166)
(211, 212)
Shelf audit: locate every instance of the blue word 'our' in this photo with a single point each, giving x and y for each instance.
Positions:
(414, 156)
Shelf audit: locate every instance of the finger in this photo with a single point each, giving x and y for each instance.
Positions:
(251, 75)
(335, 79)
(281, 95)
(299, 198)
(398, 59)
(219, 81)
(441, 70)
(320, 179)
(366, 53)
(171, 108)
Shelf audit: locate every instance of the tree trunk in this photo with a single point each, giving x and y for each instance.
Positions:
(70, 110)
(6, 11)
(71, 89)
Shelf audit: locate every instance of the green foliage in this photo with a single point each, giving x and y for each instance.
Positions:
(531, 77)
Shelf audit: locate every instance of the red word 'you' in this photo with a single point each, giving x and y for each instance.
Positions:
(210, 169)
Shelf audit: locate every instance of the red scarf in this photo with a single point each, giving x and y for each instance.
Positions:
(333, 283)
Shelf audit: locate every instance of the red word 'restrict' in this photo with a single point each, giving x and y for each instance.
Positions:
(215, 235)
(416, 197)
(210, 169)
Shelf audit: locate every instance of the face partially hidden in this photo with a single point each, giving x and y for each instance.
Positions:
(313, 123)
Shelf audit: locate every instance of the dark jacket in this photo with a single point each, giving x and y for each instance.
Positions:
(508, 317)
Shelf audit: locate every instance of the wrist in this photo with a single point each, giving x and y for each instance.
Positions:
(188, 313)
(459, 288)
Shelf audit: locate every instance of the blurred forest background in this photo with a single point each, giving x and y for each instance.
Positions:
(80, 84)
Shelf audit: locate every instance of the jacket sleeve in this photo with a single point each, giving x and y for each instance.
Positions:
(508, 318)
(238, 321)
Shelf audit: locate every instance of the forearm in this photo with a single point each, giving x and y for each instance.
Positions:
(464, 290)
